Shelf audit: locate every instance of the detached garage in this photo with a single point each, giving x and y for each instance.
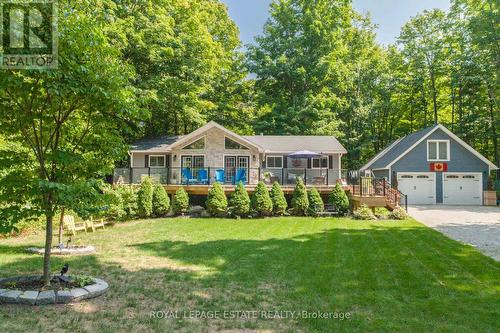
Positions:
(434, 166)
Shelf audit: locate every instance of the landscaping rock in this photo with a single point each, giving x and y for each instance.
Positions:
(28, 297)
(79, 293)
(101, 282)
(97, 289)
(64, 296)
(46, 297)
(10, 296)
(196, 210)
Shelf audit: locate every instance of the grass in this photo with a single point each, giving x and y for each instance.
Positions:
(390, 276)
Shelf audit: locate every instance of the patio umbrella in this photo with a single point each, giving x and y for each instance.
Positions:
(304, 154)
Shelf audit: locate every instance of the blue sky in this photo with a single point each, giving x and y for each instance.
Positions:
(389, 15)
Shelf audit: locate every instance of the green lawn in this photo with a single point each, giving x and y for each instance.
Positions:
(390, 276)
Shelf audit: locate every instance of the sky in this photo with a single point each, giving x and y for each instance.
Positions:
(389, 15)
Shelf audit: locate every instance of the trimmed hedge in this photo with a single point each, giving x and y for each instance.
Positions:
(145, 198)
(339, 199)
(316, 204)
(300, 201)
(180, 203)
(261, 203)
(278, 198)
(240, 201)
(161, 201)
(216, 201)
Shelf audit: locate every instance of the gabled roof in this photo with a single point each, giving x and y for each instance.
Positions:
(186, 138)
(292, 143)
(399, 148)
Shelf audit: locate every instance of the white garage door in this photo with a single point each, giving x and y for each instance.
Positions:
(420, 187)
(462, 188)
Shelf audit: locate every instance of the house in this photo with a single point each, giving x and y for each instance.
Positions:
(434, 166)
(214, 153)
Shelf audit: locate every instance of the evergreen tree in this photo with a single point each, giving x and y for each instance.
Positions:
(161, 201)
(240, 201)
(181, 202)
(278, 198)
(145, 198)
(216, 200)
(300, 202)
(316, 204)
(338, 198)
(261, 203)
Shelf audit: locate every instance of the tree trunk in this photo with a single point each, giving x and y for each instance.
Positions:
(491, 99)
(61, 226)
(48, 248)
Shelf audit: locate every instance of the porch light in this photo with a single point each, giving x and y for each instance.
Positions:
(254, 158)
(175, 158)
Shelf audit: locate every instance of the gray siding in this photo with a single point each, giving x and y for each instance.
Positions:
(461, 160)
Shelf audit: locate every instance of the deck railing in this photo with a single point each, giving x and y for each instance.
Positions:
(370, 186)
(231, 176)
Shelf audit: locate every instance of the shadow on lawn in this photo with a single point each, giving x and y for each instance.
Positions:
(389, 279)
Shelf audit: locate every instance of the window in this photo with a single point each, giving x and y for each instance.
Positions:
(423, 177)
(193, 161)
(438, 150)
(157, 161)
(274, 162)
(469, 177)
(320, 162)
(231, 144)
(406, 176)
(198, 144)
(451, 177)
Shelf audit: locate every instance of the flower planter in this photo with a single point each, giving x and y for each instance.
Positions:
(10, 295)
(490, 198)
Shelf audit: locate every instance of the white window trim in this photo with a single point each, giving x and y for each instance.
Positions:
(158, 167)
(437, 150)
(204, 137)
(274, 156)
(320, 167)
(192, 155)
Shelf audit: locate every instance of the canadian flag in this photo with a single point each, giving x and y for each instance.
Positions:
(439, 167)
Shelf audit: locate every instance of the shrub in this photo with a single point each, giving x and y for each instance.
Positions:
(113, 207)
(261, 201)
(364, 213)
(145, 198)
(161, 201)
(316, 204)
(278, 198)
(129, 200)
(339, 199)
(240, 201)
(216, 201)
(381, 212)
(300, 202)
(398, 214)
(181, 201)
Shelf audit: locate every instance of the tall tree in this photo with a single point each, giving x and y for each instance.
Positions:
(64, 126)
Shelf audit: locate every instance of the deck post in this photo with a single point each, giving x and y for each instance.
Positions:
(406, 203)
(258, 180)
(305, 176)
(282, 176)
(384, 186)
(208, 177)
(327, 181)
(168, 175)
(360, 186)
(131, 171)
(149, 172)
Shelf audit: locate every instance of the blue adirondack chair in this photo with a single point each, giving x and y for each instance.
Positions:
(219, 176)
(241, 176)
(202, 176)
(187, 176)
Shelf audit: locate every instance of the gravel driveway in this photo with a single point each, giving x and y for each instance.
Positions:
(478, 226)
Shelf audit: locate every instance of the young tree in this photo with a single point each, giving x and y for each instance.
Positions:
(64, 126)
(240, 201)
(261, 202)
(161, 201)
(278, 198)
(216, 200)
(300, 201)
(338, 198)
(316, 204)
(180, 203)
(145, 198)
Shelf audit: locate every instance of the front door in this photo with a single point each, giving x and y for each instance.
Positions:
(232, 164)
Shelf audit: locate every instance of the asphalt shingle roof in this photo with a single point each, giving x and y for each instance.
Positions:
(293, 143)
(159, 144)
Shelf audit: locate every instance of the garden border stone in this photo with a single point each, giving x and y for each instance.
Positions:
(36, 297)
(74, 250)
